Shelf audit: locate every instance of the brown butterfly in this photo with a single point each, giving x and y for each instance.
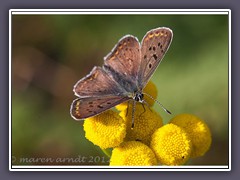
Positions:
(125, 72)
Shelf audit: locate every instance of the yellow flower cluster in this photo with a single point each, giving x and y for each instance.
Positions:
(149, 142)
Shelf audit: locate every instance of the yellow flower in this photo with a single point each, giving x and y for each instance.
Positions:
(150, 89)
(145, 123)
(171, 145)
(198, 132)
(132, 153)
(106, 130)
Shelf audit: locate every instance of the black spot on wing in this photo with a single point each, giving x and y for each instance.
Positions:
(155, 56)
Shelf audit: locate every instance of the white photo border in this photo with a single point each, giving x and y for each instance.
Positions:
(119, 12)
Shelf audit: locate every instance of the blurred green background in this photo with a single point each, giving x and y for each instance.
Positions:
(50, 53)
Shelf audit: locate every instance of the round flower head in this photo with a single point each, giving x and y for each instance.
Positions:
(171, 145)
(198, 132)
(106, 130)
(132, 153)
(146, 121)
(150, 89)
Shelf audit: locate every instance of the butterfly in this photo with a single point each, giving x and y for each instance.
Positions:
(125, 72)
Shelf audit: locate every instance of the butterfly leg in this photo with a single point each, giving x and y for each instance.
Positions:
(133, 111)
(144, 102)
(144, 110)
(127, 108)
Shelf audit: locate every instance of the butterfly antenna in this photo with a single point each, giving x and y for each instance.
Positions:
(165, 109)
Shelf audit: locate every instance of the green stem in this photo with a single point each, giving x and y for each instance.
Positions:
(107, 152)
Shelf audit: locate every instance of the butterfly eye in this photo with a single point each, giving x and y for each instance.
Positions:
(136, 98)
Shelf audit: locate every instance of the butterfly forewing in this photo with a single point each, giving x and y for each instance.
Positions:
(124, 59)
(82, 108)
(97, 83)
(153, 48)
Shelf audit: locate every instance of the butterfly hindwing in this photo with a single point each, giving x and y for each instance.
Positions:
(82, 108)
